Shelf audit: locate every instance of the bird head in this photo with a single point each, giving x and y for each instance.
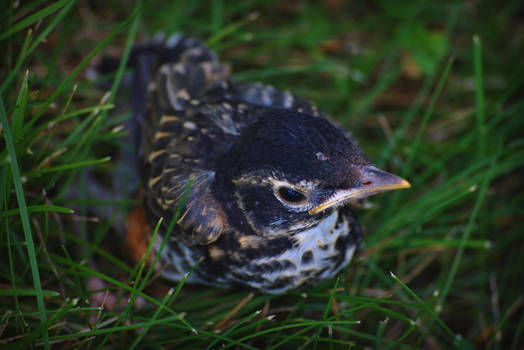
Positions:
(288, 170)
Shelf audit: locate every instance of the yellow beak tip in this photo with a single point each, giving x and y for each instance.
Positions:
(404, 184)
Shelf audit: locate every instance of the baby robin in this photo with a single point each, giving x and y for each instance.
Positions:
(261, 177)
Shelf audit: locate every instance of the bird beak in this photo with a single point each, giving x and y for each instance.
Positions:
(373, 181)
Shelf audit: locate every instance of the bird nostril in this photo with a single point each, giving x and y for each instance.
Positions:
(367, 183)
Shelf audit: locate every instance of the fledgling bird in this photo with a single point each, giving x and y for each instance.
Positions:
(267, 176)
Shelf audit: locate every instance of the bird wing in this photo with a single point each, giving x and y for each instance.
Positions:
(181, 142)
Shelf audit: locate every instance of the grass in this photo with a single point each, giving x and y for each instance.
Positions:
(432, 91)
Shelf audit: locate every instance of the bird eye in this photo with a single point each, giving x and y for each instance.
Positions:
(290, 195)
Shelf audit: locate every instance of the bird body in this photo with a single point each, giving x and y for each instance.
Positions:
(261, 177)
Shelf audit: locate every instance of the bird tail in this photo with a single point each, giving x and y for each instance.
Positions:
(196, 66)
(193, 68)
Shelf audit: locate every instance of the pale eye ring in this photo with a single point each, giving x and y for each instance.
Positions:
(291, 195)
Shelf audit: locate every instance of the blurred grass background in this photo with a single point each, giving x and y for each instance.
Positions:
(432, 90)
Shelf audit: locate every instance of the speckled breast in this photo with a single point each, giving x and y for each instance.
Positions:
(272, 265)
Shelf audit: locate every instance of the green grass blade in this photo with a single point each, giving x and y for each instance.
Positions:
(380, 333)
(18, 116)
(20, 324)
(310, 323)
(77, 70)
(407, 169)
(422, 305)
(326, 310)
(68, 166)
(27, 292)
(58, 18)
(232, 328)
(25, 217)
(38, 209)
(26, 341)
(19, 61)
(465, 237)
(165, 301)
(35, 17)
(479, 95)
(35, 135)
(96, 249)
